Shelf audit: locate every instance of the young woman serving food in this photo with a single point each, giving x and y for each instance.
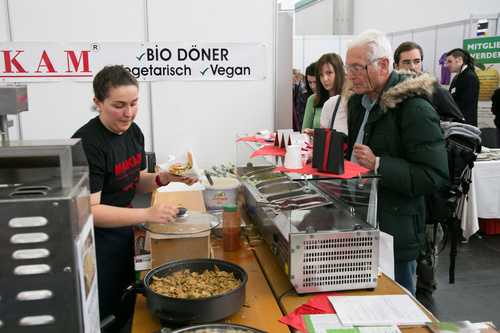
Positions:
(114, 147)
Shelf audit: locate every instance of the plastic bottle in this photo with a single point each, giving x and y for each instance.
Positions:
(231, 227)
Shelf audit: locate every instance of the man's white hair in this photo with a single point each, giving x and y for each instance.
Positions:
(376, 44)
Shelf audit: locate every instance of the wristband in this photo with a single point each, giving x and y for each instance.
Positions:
(158, 181)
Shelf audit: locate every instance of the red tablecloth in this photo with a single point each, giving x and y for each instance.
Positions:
(351, 170)
(316, 305)
(254, 138)
(269, 150)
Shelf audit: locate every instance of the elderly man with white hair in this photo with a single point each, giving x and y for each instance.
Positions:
(394, 131)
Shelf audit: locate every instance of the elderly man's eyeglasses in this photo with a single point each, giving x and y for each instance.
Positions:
(357, 69)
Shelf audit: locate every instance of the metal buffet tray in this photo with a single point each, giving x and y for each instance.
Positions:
(276, 190)
(316, 228)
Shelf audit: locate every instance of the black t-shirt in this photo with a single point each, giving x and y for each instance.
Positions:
(115, 161)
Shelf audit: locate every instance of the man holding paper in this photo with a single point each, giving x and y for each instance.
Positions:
(394, 131)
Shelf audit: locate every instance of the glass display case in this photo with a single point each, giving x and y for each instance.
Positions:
(321, 228)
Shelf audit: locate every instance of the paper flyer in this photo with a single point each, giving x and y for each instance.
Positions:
(87, 267)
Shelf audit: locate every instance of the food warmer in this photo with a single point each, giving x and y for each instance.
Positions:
(322, 230)
(47, 264)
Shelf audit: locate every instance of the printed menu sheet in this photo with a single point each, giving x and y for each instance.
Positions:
(378, 310)
(87, 270)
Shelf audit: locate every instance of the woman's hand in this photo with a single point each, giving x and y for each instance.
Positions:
(308, 131)
(161, 213)
(166, 177)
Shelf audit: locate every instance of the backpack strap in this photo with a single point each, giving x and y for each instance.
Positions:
(335, 111)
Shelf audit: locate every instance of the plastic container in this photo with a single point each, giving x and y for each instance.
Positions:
(224, 191)
(231, 227)
(293, 157)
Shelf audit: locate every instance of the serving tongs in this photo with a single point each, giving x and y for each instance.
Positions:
(209, 178)
(278, 206)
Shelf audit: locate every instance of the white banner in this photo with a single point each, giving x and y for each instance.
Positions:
(53, 61)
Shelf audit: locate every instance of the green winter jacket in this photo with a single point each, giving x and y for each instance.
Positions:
(413, 159)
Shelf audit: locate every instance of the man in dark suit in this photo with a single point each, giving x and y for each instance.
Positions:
(465, 85)
(495, 109)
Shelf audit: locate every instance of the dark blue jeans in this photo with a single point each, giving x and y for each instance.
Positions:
(404, 273)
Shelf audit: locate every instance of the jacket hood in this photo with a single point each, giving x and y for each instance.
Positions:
(411, 85)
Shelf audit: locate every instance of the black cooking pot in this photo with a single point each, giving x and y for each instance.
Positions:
(192, 310)
(219, 328)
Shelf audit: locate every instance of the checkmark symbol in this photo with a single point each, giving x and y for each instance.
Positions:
(203, 73)
(140, 57)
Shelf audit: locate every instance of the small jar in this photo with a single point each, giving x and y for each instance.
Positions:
(231, 227)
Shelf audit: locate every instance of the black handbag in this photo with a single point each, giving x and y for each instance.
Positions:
(328, 151)
(328, 148)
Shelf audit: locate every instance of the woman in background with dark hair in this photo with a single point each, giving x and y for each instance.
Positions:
(301, 95)
(311, 79)
(330, 79)
(465, 85)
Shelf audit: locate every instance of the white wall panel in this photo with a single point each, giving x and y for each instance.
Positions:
(316, 46)
(315, 20)
(427, 40)
(399, 15)
(4, 24)
(77, 21)
(400, 38)
(208, 115)
(308, 49)
(298, 53)
(447, 38)
(284, 61)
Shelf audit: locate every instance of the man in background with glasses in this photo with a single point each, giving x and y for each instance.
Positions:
(394, 131)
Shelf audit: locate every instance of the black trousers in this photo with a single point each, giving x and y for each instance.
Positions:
(115, 272)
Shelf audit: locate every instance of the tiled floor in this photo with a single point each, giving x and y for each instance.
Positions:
(475, 295)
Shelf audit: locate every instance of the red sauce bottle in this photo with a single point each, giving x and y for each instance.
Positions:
(231, 227)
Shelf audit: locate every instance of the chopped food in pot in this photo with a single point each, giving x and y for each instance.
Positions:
(186, 284)
(216, 330)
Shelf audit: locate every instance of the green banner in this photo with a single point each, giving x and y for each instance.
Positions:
(484, 49)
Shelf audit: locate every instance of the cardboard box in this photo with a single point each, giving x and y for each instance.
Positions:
(489, 226)
(167, 248)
